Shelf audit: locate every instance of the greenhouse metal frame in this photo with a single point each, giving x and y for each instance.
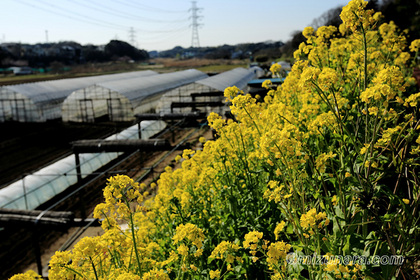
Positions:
(42, 101)
(37, 188)
(206, 90)
(120, 100)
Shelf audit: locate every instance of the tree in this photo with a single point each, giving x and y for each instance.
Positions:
(330, 17)
(115, 49)
(405, 14)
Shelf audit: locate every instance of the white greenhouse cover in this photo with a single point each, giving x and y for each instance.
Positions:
(139, 89)
(119, 98)
(238, 77)
(39, 187)
(41, 101)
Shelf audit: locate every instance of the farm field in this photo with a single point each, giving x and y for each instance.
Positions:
(162, 65)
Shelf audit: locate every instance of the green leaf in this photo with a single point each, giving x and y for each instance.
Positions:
(289, 228)
(346, 248)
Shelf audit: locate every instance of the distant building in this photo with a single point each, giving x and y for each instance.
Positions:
(21, 70)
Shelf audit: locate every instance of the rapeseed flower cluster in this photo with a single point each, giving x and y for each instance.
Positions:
(251, 241)
(189, 233)
(326, 164)
(29, 275)
(340, 271)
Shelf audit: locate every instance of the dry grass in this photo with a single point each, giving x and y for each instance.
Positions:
(159, 64)
(197, 63)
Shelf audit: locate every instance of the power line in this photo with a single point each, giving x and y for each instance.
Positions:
(112, 11)
(56, 10)
(145, 7)
(172, 30)
(73, 15)
(159, 39)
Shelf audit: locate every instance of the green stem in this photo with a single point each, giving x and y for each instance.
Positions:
(374, 136)
(364, 58)
(343, 128)
(135, 245)
(94, 269)
(256, 126)
(74, 271)
(365, 223)
(365, 78)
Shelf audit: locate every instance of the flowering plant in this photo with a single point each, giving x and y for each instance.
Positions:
(326, 165)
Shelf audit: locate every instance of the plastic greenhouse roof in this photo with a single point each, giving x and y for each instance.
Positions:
(37, 188)
(47, 91)
(141, 88)
(236, 77)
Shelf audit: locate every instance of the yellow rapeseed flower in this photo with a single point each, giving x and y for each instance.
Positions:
(415, 45)
(279, 228)
(275, 68)
(327, 78)
(28, 275)
(412, 100)
(224, 250)
(334, 200)
(308, 32)
(189, 232)
(266, 84)
(155, 274)
(322, 159)
(252, 238)
(182, 250)
(131, 276)
(232, 92)
(214, 274)
(354, 14)
(364, 149)
(277, 251)
(308, 221)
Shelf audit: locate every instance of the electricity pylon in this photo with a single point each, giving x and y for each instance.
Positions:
(195, 42)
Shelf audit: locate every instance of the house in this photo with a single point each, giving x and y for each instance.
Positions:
(24, 70)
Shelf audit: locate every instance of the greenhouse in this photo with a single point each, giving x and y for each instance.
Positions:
(39, 187)
(119, 100)
(41, 101)
(207, 91)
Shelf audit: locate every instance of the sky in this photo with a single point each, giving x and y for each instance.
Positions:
(159, 24)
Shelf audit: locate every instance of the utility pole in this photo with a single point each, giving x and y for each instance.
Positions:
(132, 36)
(195, 42)
(46, 36)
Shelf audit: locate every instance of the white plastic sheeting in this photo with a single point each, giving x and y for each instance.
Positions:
(238, 77)
(120, 100)
(39, 187)
(41, 101)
